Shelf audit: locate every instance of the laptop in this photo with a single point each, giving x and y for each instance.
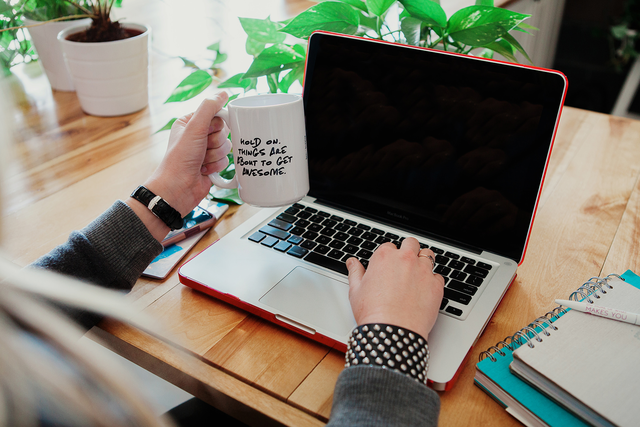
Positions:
(402, 141)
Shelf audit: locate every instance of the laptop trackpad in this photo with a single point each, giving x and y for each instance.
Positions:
(313, 299)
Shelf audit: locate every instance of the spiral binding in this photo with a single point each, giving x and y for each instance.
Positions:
(588, 290)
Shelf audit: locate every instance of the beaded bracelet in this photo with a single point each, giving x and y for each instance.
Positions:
(389, 347)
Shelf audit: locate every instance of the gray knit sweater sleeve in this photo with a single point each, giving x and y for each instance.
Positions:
(372, 396)
(112, 251)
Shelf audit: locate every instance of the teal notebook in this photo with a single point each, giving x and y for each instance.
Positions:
(521, 400)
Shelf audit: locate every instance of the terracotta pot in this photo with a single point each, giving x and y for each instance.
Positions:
(111, 78)
(45, 41)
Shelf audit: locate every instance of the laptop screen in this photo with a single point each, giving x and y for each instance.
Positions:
(446, 146)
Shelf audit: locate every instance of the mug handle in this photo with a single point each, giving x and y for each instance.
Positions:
(215, 177)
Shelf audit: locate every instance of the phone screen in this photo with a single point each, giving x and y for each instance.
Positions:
(195, 217)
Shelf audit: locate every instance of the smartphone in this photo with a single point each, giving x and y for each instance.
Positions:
(198, 220)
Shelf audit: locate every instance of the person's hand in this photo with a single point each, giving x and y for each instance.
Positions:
(398, 288)
(198, 146)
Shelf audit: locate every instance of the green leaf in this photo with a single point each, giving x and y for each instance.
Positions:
(484, 3)
(295, 74)
(300, 49)
(504, 48)
(254, 47)
(525, 28)
(411, 28)
(370, 22)
(426, 10)
(230, 170)
(619, 31)
(227, 196)
(167, 126)
(214, 47)
(263, 30)
(357, 4)
(5, 8)
(480, 25)
(328, 16)
(220, 58)
(191, 86)
(188, 63)
(273, 59)
(486, 53)
(379, 7)
(236, 81)
(513, 42)
(272, 81)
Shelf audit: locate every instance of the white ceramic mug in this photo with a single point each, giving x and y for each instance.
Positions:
(269, 149)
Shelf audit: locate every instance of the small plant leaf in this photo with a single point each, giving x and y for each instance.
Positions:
(379, 7)
(359, 4)
(484, 3)
(428, 11)
(525, 26)
(189, 63)
(369, 22)
(254, 47)
(191, 86)
(220, 58)
(328, 16)
(272, 81)
(486, 53)
(167, 126)
(263, 30)
(273, 59)
(227, 196)
(513, 42)
(236, 81)
(295, 74)
(503, 48)
(480, 25)
(411, 28)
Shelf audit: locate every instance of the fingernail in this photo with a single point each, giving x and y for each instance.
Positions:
(211, 129)
(203, 169)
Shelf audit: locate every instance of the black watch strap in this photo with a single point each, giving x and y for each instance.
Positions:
(158, 207)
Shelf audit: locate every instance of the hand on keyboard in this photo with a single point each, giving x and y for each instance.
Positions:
(397, 288)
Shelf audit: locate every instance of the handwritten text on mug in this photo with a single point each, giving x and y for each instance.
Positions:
(267, 160)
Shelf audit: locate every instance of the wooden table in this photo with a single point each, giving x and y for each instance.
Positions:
(70, 167)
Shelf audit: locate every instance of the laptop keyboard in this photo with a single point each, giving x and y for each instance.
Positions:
(329, 240)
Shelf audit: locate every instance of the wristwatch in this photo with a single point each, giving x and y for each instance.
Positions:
(159, 207)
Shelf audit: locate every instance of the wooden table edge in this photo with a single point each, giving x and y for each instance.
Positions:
(186, 371)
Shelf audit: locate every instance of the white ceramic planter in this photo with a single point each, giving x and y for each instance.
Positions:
(45, 40)
(111, 78)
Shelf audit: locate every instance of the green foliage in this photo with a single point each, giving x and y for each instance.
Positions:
(15, 44)
(415, 22)
(45, 10)
(279, 48)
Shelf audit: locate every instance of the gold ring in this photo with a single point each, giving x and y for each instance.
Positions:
(433, 261)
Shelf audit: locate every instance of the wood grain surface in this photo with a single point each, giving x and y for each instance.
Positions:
(68, 167)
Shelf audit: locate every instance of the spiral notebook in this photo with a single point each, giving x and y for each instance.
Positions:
(580, 369)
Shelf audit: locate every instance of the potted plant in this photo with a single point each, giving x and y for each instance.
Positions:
(45, 19)
(108, 61)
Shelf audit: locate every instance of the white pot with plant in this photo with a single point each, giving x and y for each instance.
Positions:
(109, 62)
(45, 41)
